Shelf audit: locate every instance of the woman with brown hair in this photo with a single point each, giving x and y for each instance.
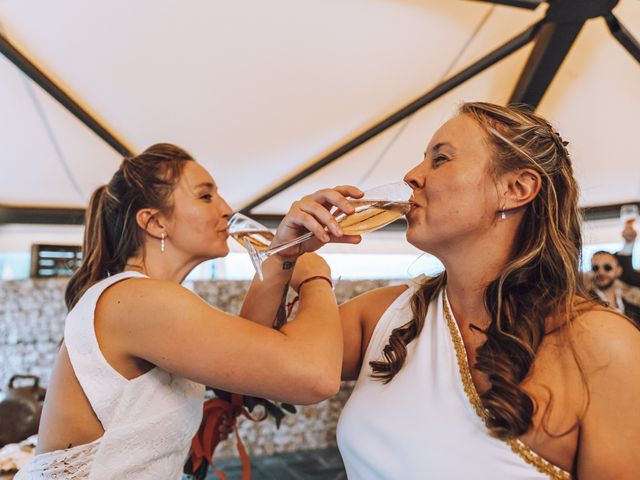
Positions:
(499, 367)
(126, 393)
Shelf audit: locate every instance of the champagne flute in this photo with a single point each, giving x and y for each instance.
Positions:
(378, 207)
(628, 213)
(245, 230)
(252, 235)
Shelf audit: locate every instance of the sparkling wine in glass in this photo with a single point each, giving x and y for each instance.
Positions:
(247, 231)
(378, 207)
(259, 239)
(371, 215)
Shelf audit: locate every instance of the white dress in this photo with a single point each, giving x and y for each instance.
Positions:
(148, 421)
(426, 423)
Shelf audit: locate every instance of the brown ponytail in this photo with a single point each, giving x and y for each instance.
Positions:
(112, 234)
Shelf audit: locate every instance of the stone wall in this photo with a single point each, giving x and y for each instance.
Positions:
(32, 316)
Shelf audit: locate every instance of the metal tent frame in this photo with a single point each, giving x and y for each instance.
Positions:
(554, 36)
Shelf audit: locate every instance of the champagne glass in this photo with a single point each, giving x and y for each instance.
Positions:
(246, 231)
(628, 213)
(378, 207)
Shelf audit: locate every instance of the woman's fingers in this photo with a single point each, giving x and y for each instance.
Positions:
(337, 197)
(353, 239)
(308, 221)
(313, 213)
(349, 191)
(322, 216)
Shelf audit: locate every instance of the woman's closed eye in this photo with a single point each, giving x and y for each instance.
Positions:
(439, 160)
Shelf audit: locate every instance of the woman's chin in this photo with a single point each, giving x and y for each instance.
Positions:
(223, 251)
(413, 236)
(420, 240)
(220, 249)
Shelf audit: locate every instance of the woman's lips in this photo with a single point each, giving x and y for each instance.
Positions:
(413, 202)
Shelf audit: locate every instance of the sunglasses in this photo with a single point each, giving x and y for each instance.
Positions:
(607, 267)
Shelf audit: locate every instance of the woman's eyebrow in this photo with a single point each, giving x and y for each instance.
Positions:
(437, 147)
(441, 145)
(207, 185)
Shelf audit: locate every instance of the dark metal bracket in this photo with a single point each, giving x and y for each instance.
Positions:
(485, 62)
(10, 214)
(554, 36)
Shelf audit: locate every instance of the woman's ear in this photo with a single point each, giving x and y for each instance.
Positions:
(520, 188)
(150, 220)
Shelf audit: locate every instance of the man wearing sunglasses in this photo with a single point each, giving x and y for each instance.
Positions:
(605, 284)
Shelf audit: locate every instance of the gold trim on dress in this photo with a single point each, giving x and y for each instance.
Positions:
(522, 450)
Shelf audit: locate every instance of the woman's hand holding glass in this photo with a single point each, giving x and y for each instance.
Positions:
(312, 215)
(326, 216)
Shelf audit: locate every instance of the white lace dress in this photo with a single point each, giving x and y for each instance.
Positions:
(148, 421)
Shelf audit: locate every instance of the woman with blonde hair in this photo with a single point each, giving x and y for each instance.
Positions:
(499, 367)
(127, 389)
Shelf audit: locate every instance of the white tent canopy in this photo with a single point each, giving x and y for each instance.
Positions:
(258, 90)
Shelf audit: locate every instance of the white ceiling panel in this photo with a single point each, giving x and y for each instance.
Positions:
(257, 90)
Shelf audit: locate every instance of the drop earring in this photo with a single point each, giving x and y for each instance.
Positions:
(162, 242)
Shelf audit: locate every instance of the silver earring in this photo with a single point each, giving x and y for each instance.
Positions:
(503, 215)
(162, 242)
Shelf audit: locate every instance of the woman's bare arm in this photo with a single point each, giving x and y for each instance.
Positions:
(609, 349)
(169, 326)
(359, 317)
(265, 299)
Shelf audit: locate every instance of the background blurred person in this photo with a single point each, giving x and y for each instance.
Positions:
(629, 275)
(605, 283)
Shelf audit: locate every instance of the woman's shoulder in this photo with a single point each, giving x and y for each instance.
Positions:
(370, 305)
(607, 346)
(380, 298)
(139, 296)
(605, 339)
(130, 285)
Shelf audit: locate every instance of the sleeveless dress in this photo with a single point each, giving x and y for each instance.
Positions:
(148, 421)
(427, 423)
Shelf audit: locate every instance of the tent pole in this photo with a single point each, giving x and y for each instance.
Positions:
(530, 4)
(623, 36)
(10, 214)
(485, 62)
(553, 42)
(41, 215)
(49, 86)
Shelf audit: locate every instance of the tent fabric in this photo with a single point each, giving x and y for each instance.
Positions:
(257, 90)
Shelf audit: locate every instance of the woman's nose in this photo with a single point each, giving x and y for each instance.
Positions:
(225, 209)
(413, 179)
